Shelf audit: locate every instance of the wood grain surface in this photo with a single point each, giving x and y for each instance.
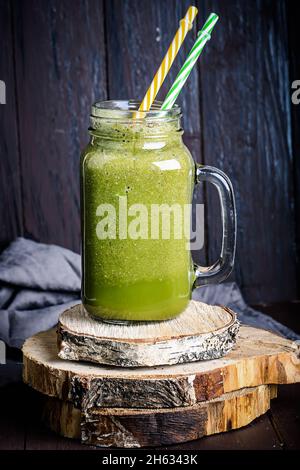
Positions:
(258, 358)
(201, 332)
(21, 426)
(57, 57)
(139, 428)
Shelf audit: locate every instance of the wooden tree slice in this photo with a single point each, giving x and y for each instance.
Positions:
(137, 428)
(201, 332)
(259, 357)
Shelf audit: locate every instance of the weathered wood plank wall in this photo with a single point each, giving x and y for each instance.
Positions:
(57, 57)
(11, 221)
(247, 133)
(293, 13)
(60, 68)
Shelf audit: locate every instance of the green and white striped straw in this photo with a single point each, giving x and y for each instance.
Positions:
(203, 37)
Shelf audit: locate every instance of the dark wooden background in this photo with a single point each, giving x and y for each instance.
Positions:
(58, 56)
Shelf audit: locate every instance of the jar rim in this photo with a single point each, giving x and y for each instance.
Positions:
(127, 109)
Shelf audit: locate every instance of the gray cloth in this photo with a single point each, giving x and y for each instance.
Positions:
(38, 282)
(229, 294)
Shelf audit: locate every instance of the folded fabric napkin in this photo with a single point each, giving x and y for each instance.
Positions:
(38, 282)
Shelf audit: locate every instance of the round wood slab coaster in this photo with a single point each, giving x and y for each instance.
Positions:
(199, 333)
(127, 428)
(259, 357)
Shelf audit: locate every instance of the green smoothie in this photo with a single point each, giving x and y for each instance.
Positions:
(135, 278)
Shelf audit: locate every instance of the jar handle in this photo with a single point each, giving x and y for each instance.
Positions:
(221, 269)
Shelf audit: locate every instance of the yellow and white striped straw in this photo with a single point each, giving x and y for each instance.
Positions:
(185, 25)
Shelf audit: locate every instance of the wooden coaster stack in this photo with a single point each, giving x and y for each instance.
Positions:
(152, 384)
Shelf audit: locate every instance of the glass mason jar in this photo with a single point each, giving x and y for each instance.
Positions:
(137, 182)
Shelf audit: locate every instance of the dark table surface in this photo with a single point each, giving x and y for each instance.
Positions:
(279, 428)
